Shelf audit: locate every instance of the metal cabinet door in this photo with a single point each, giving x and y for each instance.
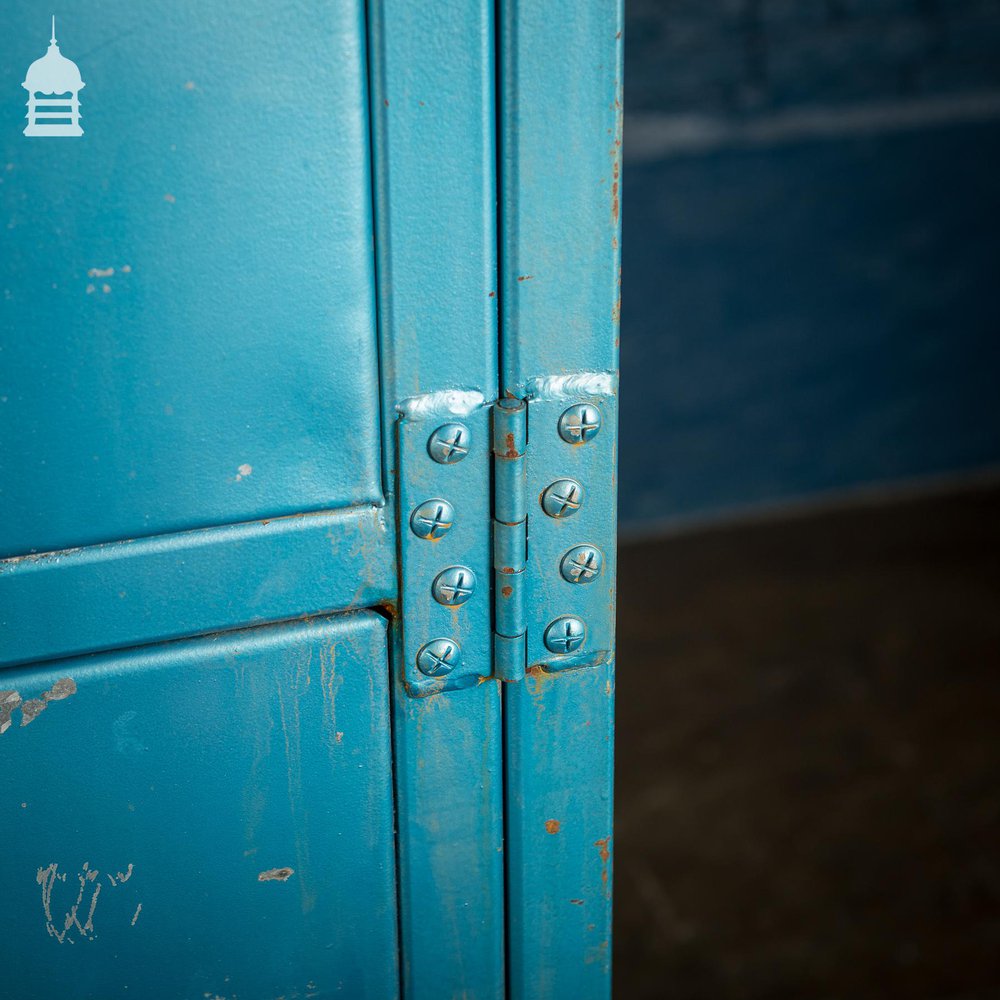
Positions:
(190, 445)
(235, 311)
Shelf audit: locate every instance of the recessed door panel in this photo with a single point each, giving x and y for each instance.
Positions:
(187, 324)
(210, 818)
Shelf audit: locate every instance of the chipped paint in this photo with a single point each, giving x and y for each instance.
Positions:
(31, 709)
(276, 875)
(9, 700)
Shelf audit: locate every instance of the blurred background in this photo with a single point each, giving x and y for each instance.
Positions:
(808, 779)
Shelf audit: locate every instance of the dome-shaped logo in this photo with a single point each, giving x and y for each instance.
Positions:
(53, 84)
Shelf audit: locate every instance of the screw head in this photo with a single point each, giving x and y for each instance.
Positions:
(432, 519)
(449, 443)
(454, 586)
(565, 635)
(563, 498)
(580, 423)
(438, 657)
(582, 564)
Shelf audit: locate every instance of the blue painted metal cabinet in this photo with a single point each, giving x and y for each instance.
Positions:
(308, 381)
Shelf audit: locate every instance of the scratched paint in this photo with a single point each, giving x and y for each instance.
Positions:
(76, 923)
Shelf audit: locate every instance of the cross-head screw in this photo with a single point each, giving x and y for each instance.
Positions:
(454, 586)
(563, 498)
(580, 423)
(449, 443)
(565, 635)
(438, 657)
(432, 519)
(582, 564)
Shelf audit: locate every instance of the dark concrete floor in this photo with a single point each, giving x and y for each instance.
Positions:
(808, 776)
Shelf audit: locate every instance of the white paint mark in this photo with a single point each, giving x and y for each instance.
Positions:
(138, 910)
(243, 471)
(100, 272)
(581, 384)
(453, 402)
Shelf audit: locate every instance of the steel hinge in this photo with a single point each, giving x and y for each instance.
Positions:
(554, 524)
(507, 533)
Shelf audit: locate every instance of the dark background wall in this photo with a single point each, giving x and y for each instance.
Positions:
(810, 299)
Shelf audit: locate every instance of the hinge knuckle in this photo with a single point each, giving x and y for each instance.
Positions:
(510, 525)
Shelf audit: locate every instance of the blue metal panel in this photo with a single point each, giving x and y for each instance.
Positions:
(435, 209)
(560, 164)
(223, 178)
(206, 818)
(560, 150)
(559, 774)
(449, 793)
(191, 582)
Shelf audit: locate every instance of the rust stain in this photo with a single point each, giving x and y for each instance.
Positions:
(552, 826)
(385, 101)
(605, 852)
(493, 295)
(577, 902)
(276, 875)
(525, 277)
(511, 451)
(506, 591)
(615, 170)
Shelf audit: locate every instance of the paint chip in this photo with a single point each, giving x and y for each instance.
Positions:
(170, 198)
(276, 875)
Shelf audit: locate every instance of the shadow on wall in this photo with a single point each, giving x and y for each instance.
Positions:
(811, 247)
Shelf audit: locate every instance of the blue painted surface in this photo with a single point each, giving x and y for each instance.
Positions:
(560, 162)
(192, 582)
(560, 235)
(807, 310)
(435, 209)
(559, 834)
(191, 769)
(229, 372)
